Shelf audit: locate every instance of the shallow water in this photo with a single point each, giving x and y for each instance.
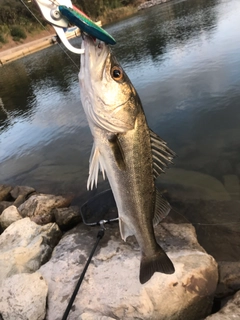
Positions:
(183, 58)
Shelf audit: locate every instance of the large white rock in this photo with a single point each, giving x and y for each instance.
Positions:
(8, 216)
(231, 311)
(111, 286)
(25, 246)
(23, 296)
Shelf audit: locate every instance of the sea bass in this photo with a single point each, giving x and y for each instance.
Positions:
(126, 150)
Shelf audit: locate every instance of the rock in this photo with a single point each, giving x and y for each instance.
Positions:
(94, 316)
(187, 184)
(4, 205)
(23, 296)
(20, 194)
(150, 3)
(25, 246)
(21, 191)
(43, 219)
(41, 205)
(229, 279)
(231, 183)
(216, 223)
(67, 218)
(20, 199)
(9, 216)
(230, 311)
(111, 285)
(4, 192)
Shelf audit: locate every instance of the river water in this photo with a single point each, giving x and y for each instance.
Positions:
(183, 58)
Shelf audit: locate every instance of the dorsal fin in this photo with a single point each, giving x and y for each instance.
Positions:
(162, 155)
(117, 151)
(162, 208)
(95, 163)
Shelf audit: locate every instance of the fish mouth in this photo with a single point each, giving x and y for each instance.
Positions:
(85, 36)
(95, 56)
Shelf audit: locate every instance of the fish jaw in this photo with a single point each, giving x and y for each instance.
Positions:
(107, 103)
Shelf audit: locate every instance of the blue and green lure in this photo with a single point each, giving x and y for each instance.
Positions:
(86, 24)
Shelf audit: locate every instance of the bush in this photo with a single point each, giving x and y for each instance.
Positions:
(2, 38)
(4, 32)
(18, 33)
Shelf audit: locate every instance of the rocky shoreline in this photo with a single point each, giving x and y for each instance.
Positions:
(44, 247)
(151, 3)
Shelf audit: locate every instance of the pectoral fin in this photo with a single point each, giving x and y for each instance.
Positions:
(162, 209)
(162, 155)
(117, 152)
(95, 163)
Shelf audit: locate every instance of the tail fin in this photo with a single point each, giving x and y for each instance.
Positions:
(159, 262)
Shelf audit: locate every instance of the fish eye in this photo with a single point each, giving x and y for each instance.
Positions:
(117, 73)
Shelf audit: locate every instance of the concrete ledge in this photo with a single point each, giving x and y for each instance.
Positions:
(25, 49)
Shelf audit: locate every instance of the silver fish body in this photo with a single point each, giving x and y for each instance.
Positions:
(126, 150)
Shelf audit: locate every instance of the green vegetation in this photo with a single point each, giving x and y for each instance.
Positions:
(98, 8)
(18, 33)
(4, 31)
(16, 21)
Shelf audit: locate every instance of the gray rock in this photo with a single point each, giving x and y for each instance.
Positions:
(231, 183)
(25, 246)
(93, 316)
(231, 311)
(229, 278)
(21, 191)
(23, 296)
(39, 207)
(20, 194)
(216, 223)
(9, 216)
(20, 199)
(111, 287)
(4, 192)
(4, 205)
(67, 218)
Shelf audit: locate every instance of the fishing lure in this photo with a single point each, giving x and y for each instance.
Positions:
(86, 24)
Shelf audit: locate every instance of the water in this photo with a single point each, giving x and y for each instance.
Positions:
(183, 58)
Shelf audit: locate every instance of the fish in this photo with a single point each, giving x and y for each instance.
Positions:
(125, 150)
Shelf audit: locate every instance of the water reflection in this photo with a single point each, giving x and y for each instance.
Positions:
(152, 34)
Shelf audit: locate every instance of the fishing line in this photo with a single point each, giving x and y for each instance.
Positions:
(55, 2)
(205, 224)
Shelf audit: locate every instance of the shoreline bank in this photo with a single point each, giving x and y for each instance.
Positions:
(25, 49)
(44, 40)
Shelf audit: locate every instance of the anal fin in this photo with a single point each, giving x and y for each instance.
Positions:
(124, 230)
